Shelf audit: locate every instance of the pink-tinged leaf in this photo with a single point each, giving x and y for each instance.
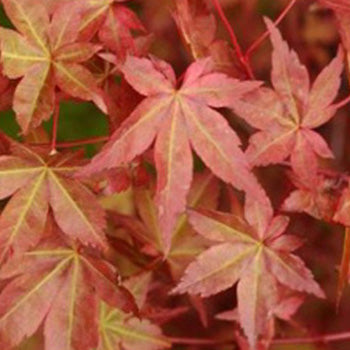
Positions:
(77, 211)
(64, 26)
(260, 108)
(197, 25)
(204, 129)
(173, 159)
(285, 116)
(133, 137)
(217, 269)
(34, 97)
(277, 226)
(257, 295)
(286, 243)
(76, 52)
(52, 284)
(323, 92)
(15, 173)
(67, 321)
(304, 160)
(261, 262)
(23, 219)
(115, 31)
(318, 144)
(270, 147)
(31, 294)
(218, 145)
(258, 215)
(77, 81)
(214, 89)
(145, 76)
(17, 54)
(31, 19)
(220, 227)
(292, 272)
(130, 333)
(289, 77)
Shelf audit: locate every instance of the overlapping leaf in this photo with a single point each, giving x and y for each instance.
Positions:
(286, 115)
(197, 26)
(114, 24)
(180, 119)
(61, 287)
(185, 244)
(45, 54)
(317, 198)
(35, 182)
(254, 253)
(122, 331)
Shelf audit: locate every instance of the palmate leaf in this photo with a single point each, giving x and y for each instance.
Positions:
(253, 252)
(286, 115)
(180, 119)
(35, 182)
(61, 287)
(45, 54)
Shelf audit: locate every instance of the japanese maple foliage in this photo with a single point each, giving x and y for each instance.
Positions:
(210, 212)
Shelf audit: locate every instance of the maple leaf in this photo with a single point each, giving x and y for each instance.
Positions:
(60, 286)
(122, 331)
(35, 182)
(113, 22)
(286, 115)
(45, 54)
(253, 252)
(179, 119)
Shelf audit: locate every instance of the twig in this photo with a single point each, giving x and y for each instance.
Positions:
(198, 341)
(245, 64)
(83, 142)
(342, 103)
(56, 114)
(326, 338)
(279, 19)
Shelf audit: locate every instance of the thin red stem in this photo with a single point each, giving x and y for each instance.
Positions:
(88, 141)
(342, 103)
(69, 144)
(326, 338)
(56, 114)
(198, 341)
(279, 19)
(245, 64)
